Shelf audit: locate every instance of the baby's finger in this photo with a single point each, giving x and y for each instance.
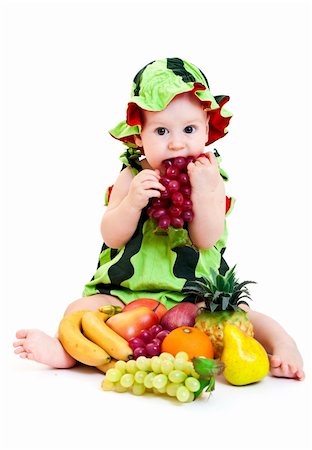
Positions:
(150, 173)
(152, 193)
(150, 184)
(212, 158)
(202, 159)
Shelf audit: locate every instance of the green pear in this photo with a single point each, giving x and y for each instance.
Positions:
(245, 360)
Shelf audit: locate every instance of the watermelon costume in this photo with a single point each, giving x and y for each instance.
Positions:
(158, 263)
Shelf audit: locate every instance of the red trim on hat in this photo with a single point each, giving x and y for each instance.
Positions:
(134, 115)
(228, 202)
(217, 123)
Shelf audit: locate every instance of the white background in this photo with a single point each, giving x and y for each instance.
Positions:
(67, 69)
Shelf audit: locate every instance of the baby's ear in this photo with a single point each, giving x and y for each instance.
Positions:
(207, 124)
(138, 140)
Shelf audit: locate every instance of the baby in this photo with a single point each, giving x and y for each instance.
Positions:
(171, 113)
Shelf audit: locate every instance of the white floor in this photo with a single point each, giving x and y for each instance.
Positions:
(66, 409)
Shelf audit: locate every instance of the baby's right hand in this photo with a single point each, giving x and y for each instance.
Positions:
(144, 186)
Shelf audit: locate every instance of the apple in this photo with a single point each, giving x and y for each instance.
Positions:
(151, 303)
(129, 324)
(183, 314)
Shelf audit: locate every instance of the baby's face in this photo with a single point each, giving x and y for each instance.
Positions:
(179, 130)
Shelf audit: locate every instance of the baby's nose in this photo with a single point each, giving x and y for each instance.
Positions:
(176, 144)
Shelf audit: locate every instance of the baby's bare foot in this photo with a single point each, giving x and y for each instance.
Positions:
(38, 346)
(286, 362)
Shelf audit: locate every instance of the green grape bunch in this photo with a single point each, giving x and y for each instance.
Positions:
(164, 374)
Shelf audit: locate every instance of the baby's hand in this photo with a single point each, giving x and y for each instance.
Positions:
(144, 186)
(204, 174)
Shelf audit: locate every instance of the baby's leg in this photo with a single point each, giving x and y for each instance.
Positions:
(38, 346)
(285, 358)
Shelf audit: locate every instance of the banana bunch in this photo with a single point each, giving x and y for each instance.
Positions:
(88, 339)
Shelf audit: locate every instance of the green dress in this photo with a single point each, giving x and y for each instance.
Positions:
(155, 263)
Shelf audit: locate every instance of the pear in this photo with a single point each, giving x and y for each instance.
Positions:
(245, 360)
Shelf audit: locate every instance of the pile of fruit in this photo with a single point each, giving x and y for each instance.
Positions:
(146, 348)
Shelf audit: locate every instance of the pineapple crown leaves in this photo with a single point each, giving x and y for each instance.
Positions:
(220, 292)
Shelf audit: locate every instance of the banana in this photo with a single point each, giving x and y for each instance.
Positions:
(77, 345)
(95, 328)
(104, 367)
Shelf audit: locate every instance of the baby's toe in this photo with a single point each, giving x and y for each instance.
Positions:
(30, 355)
(285, 368)
(21, 334)
(299, 375)
(19, 350)
(275, 361)
(278, 367)
(19, 343)
(292, 369)
(276, 372)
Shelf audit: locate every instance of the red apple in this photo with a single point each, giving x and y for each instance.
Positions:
(183, 314)
(129, 324)
(150, 303)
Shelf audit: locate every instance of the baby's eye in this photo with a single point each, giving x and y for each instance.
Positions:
(189, 129)
(161, 131)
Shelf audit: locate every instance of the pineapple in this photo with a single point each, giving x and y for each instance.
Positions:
(222, 295)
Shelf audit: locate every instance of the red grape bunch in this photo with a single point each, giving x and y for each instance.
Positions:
(174, 206)
(148, 342)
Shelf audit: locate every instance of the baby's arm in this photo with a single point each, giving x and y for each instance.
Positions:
(208, 197)
(128, 197)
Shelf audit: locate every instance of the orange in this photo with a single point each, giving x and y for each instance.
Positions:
(190, 340)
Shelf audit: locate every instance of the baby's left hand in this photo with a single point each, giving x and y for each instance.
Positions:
(204, 174)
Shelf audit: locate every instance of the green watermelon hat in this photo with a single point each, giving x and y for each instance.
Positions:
(156, 84)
